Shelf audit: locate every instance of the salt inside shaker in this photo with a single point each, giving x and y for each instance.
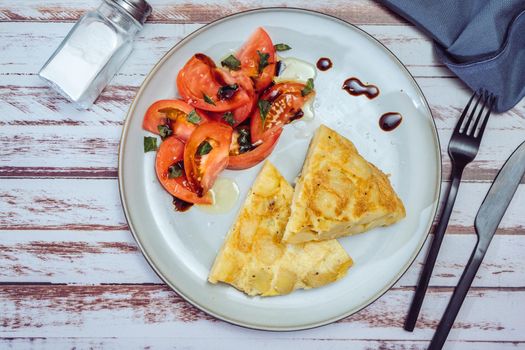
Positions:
(93, 51)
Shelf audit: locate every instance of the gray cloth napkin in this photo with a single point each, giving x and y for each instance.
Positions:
(481, 41)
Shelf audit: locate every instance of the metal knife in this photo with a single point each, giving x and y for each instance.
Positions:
(487, 220)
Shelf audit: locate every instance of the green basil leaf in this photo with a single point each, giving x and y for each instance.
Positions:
(228, 118)
(204, 148)
(282, 47)
(231, 62)
(175, 171)
(208, 99)
(150, 144)
(193, 117)
(263, 60)
(264, 108)
(244, 140)
(308, 88)
(164, 131)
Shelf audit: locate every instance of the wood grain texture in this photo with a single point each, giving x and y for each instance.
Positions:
(185, 11)
(101, 257)
(156, 311)
(94, 204)
(265, 343)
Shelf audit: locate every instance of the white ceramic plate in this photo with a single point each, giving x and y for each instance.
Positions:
(182, 246)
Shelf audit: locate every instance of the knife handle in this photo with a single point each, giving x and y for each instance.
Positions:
(457, 299)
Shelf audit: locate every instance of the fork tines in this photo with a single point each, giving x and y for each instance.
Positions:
(486, 100)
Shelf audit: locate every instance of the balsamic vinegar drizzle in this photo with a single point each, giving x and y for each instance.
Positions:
(355, 87)
(181, 205)
(324, 64)
(390, 120)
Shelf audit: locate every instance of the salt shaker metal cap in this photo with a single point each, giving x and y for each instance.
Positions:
(138, 9)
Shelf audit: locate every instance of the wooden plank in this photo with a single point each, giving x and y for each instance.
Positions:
(73, 204)
(260, 343)
(27, 51)
(156, 311)
(98, 257)
(185, 11)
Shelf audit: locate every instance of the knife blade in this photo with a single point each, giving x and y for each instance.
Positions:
(500, 194)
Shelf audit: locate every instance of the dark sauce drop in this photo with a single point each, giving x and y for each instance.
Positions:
(389, 121)
(278, 68)
(355, 87)
(324, 63)
(298, 115)
(181, 205)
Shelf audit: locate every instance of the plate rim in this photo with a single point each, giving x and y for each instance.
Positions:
(225, 318)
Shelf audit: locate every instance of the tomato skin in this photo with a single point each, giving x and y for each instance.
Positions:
(258, 41)
(285, 100)
(180, 126)
(201, 77)
(153, 118)
(202, 171)
(171, 151)
(241, 113)
(255, 156)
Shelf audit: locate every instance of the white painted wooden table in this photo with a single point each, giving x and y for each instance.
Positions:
(71, 274)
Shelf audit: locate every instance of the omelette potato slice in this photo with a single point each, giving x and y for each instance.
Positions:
(254, 260)
(339, 193)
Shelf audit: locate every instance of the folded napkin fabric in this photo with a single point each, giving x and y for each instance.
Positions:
(481, 41)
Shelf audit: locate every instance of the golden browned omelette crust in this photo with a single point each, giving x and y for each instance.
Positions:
(339, 193)
(253, 259)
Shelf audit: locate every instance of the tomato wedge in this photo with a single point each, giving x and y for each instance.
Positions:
(206, 155)
(199, 83)
(239, 114)
(171, 154)
(252, 157)
(283, 103)
(258, 59)
(175, 113)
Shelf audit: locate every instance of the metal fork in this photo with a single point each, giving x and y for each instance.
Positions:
(462, 149)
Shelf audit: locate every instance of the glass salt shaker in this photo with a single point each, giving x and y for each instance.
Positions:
(93, 51)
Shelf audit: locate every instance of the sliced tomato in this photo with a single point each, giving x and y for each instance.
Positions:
(250, 53)
(253, 157)
(199, 82)
(203, 168)
(241, 113)
(285, 103)
(171, 153)
(175, 114)
(154, 117)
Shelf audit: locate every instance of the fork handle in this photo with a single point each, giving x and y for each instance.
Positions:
(457, 299)
(430, 261)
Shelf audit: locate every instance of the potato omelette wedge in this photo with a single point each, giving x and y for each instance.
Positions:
(339, 193)
(254, 260)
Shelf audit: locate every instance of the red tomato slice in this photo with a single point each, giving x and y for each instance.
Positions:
(202, 168)
(175, 114)
(286, 101)
(153, 117)
(250, 59)
(241, 113)
(199, 82)
(253, 157)
(171, 152)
